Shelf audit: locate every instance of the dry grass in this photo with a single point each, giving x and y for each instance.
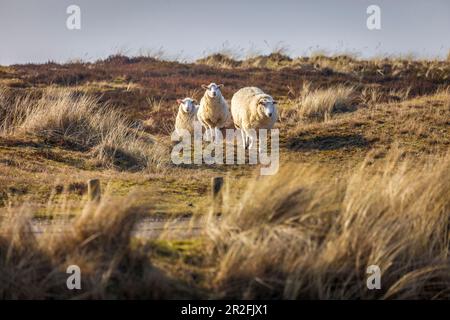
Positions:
(63, 117)
(323, 104)
(340, 63)
(418, 124)
(159, 107)
(308, 232)
(401, 67)
(302, 235)
(99, 241)
(219, 60)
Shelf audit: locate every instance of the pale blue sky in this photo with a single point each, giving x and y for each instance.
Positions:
(35, 31)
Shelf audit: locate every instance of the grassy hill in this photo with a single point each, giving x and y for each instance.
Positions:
(364, 149)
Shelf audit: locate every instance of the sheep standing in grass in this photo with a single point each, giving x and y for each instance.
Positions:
(213, 112)
(251, 108)
(186, 117)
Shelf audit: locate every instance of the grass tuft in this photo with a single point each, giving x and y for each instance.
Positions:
(322, 104)
(77, 121)
(98, 241)
(300, 235)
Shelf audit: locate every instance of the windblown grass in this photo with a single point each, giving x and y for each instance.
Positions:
(63, 117)
(322, 104)
(98, 241)
(311, 231)
(302, 235)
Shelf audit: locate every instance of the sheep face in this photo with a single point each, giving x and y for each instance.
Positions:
(213, 90)
(187, 105)
(267, 106)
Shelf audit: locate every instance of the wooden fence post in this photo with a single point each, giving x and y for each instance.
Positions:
(216, 194)
(94, 191)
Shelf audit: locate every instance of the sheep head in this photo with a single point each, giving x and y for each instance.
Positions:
(187, 104)
(213, 90)
(267, 105)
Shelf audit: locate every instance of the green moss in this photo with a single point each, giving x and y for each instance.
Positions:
(189, 251)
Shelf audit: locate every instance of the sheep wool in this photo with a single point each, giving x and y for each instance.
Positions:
(185, 120)
(247, 111)
(213, 112)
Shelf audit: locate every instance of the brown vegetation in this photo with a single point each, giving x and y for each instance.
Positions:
(98, 241)
(364, 181)
(300, 235)
(65, 118)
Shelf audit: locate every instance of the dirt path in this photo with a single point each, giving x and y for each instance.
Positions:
(149, 228)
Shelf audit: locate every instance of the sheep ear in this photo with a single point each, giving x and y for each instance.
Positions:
(204, 86)
(220, 86)
(179, 101)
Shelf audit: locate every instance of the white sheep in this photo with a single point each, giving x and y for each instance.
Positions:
(252, 109)
(213, 112)
(186, 117)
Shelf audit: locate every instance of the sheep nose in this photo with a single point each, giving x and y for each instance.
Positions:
(269, 114)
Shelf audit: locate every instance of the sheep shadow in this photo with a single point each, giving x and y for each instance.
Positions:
(328, 142)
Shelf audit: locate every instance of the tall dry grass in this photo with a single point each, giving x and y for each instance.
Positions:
(303, 235)
(74, 120)
(99, 241)
(323, 104)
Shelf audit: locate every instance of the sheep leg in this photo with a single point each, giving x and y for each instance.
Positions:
(216, 134)
(244, 139)
(208, 135)
(260, 148)
(213, 134)
(247, 140)
(250, 139)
